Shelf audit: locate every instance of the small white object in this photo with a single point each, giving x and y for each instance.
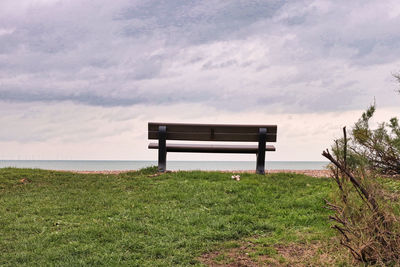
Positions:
(236, 177)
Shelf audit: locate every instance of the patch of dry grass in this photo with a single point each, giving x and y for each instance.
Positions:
(306, 253)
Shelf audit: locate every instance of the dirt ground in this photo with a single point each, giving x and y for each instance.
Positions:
(299, 255)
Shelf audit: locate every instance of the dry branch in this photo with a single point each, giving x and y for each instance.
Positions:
(368, 230)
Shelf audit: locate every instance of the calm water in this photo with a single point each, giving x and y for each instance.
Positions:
(100, 165)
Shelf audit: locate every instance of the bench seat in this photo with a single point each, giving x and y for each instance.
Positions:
(210, 148)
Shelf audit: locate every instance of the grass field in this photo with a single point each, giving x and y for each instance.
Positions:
(135, 219)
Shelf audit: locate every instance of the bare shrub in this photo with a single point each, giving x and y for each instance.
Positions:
(363, 215)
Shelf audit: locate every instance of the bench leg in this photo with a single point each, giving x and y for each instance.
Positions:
(162, 149)
(260, 169)
(262, 138)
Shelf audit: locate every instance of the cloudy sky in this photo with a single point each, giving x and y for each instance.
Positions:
(80, 79)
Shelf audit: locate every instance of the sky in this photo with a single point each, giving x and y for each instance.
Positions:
(80, 79)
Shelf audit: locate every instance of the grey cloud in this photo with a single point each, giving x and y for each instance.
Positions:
(366, 29)
(211, 65)
(35, 122)
(236, 55)
(108, 99)
(197, 21)
(83, 98)
(305, 100)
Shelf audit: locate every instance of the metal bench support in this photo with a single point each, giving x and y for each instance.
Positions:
(162, 148)
(260, 168)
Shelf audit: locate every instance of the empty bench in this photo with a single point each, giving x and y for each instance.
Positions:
(212, 132)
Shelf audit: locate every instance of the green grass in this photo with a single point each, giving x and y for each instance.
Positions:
(64, 219)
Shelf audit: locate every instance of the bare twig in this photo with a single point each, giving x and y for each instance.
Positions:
(353, 180)
(367, 229)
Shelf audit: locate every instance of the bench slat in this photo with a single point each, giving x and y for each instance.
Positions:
(199, 136)
(208, 128)
(200, 148)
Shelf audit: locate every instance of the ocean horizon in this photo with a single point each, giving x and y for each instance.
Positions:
(119, 165)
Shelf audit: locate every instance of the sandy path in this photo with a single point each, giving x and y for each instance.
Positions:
(313, 173)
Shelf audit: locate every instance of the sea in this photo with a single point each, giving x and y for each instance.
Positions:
(114, 165)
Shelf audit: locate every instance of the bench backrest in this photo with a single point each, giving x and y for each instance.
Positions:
(212, 132)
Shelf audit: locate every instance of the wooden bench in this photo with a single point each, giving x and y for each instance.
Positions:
(212, 132)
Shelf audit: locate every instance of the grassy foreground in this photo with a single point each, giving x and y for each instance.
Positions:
(60, 218)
